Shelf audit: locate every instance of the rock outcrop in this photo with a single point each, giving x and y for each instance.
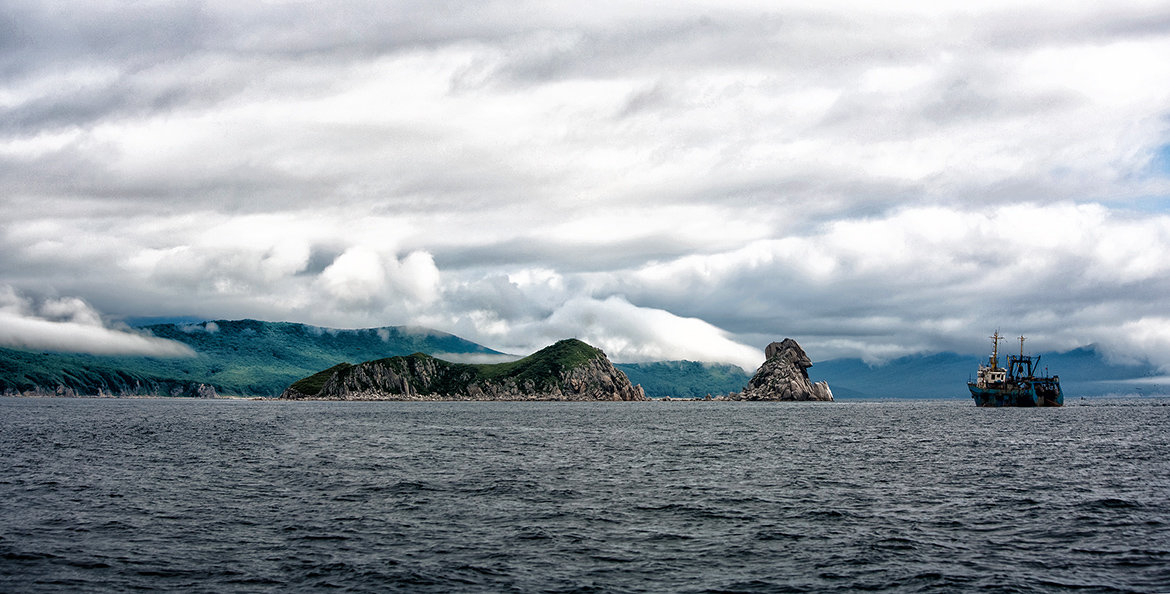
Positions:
(567, 370)
(119, 387)
(784, 376)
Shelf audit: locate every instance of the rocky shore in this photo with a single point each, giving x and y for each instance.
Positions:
(123, 389)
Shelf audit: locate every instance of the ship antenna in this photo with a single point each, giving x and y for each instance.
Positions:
(995, 349)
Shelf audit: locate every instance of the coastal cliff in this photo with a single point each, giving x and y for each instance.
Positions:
(567, 370)
(116, 388)
(784, 376)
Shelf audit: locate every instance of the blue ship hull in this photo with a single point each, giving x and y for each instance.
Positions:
(1046, 393)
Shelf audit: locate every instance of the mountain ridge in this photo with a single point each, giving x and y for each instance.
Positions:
(257, 358)
(239, 357)
(1084, 371)
(685, 379)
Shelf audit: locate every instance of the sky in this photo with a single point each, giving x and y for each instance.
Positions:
(664, 180)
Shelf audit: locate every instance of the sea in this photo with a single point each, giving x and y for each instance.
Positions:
(114, 495)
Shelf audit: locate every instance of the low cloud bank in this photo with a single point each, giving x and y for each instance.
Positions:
(628, 333)
(476, 358)
(208, 327)
(69, 324)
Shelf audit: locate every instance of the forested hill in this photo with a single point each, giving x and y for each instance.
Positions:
(685, 379)
(567, 370)
(242, 357)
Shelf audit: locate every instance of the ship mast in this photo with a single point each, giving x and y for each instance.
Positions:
(995, 349)
(1021, 347)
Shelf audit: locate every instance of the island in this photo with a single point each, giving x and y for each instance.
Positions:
(784, 376)
(567, 370)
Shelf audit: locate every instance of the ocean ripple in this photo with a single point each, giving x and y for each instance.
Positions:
(222, 496)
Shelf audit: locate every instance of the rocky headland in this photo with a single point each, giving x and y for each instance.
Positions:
(784, 376)
(567, 370)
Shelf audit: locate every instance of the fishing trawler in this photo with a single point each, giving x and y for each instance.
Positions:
(1015, 385)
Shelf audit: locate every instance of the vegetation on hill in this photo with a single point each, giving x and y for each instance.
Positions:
(685, 379)
(429, 375)
(242, 357)
(311, 385)
(549, 362)
(24, 371)
(254, 358)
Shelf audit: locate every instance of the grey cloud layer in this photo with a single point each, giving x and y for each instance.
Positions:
(667, 180)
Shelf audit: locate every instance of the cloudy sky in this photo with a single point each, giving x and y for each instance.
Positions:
(665, 180)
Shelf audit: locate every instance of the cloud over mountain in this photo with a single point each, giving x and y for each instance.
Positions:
(689, 180)
(71, 325)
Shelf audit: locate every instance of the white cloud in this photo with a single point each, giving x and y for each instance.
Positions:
(870, 180)
(207, 327)
(361, 277)
(70, 325)
(931, 278)
(476, 358)
(1145, 339)
(357, 277)
(416, 277)
(627, 333)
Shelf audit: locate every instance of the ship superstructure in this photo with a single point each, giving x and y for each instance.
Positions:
(1015, 385)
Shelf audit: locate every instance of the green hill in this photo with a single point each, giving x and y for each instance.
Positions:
(540, 368)
(254, 358)
(685, 379)
(241, 357)
(567, 370)
(24, 371)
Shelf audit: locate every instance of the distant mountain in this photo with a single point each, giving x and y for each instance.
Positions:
(567, 370)
(685, 379)
(1083, 372)
(254, 358)
(241, 357)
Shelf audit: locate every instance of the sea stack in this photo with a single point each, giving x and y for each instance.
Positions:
(784, 376)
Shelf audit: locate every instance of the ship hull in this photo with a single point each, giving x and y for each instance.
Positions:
(1026, 395)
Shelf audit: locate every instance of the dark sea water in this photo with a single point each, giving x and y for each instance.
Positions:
(906, 496)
